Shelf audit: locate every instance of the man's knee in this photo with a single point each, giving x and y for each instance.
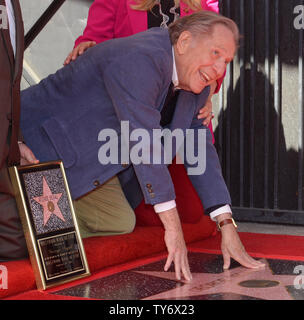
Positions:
(128, 222)
(97, 220)
(106, 211)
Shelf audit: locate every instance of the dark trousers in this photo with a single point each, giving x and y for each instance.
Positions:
(12, 241)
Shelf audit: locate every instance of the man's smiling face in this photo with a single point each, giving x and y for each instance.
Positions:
(201, 60)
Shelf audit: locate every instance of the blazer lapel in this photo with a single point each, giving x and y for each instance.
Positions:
(187, 106)
(184, 110)
(138, 19)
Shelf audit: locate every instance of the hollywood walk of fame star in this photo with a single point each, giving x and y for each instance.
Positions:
(228, 282)
(49, 202)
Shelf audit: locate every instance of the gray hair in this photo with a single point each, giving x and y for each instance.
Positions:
(201, 23)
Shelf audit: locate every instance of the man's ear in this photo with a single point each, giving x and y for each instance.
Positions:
(183, 42)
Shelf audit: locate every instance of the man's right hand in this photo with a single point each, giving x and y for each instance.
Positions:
(26, 155)
(78, 51)
(174, 239)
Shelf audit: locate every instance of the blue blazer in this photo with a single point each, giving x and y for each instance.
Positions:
(124, 79)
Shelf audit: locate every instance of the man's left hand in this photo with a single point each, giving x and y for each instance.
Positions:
(206, 111)
(232, 247)
(26, 155)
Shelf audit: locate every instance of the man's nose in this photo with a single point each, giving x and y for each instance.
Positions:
(220, 67)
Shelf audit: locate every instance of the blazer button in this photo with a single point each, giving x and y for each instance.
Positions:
(150, 190)
(96, 183)
(148, 185)
(152, 195)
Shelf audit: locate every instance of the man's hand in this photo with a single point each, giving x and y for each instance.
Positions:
(174, 239)
(232, 246)
(206, 111)
(26, 155)
(78, 51)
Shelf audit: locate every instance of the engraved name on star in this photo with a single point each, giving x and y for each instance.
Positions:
(49, 202)
(227, 282)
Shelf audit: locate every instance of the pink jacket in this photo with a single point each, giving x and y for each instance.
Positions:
(110, 19)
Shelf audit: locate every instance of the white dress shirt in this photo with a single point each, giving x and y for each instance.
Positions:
(160, 207)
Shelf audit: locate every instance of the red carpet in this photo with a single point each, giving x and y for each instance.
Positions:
(103, 252)
(257, 245)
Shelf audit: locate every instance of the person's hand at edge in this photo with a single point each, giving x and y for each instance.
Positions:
(26, 155)
(78, 51)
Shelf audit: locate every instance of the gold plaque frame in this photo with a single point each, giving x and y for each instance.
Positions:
(49, 222)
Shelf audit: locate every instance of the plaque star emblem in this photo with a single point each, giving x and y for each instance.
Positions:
(49, 202)
(228, 282)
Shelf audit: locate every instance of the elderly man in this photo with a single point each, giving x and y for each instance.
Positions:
(126, 81)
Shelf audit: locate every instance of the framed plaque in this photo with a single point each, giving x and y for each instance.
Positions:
(49, 223)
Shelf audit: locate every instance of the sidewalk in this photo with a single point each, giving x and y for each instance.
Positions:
(270, 228)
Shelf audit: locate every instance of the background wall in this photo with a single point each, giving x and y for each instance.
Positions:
(48, 51)
(259, 125)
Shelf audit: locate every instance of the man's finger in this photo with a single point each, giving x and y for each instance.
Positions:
(68, 59)
(186, 270)
(202, 115)
(207, 121)
(27, 156)
(168, 262)
(75, 54)
(177, 267)
(226, 257)
(242, 257)
(249, 262)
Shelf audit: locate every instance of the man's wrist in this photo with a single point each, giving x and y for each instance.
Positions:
(225, 219)
(218, 210)
(223, 216)
(170, 220)
(164, 206)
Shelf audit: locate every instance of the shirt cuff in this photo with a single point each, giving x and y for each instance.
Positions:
(217, 212)
(160, 207)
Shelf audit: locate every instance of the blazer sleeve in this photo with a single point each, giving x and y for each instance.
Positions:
(101, 22)
(137, 97)
(205, 171)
